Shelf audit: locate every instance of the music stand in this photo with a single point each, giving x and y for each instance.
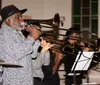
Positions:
(82, 63)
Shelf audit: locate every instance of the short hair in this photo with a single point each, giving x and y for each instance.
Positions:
(72, 30)
(36, 23)
(33, 23)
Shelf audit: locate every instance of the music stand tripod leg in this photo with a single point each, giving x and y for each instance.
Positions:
(87, 77)
(74, 78)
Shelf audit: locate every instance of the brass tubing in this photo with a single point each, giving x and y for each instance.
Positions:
(44, 32)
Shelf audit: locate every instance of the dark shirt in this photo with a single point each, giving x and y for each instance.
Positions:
(49, 77)
(71, 52)
(48, 70)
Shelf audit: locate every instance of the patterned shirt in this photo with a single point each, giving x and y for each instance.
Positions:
(14, 48)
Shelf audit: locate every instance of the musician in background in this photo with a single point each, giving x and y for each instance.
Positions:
(38, 59)
(38, 62)
(51, 76)
(71, 50)
(88, 46)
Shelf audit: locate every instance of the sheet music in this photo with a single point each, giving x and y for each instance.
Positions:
(83, 62)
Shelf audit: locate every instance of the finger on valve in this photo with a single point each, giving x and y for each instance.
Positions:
(30, 28)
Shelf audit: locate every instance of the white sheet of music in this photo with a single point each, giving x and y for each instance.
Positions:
(83, 62)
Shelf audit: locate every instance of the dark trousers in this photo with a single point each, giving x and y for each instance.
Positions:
(52, 80)
(70, 80)
(38, 81)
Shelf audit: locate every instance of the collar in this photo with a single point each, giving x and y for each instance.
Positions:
(9, 28)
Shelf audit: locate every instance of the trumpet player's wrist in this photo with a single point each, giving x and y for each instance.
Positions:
(28, 37)
(43, 50)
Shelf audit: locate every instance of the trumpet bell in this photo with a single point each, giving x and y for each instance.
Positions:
(54, 22)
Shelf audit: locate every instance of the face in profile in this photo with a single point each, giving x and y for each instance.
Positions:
(15, 21)
(74, 37)
(36, 32)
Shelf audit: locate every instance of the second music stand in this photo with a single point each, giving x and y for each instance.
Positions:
(82, 63)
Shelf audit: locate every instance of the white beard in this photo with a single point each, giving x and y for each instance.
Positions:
(16, 25)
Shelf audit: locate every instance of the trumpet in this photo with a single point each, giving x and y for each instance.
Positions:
(54, 24)
(59, 46)
(55, 21)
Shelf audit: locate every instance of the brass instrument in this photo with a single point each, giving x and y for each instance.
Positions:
(54, 22)
(59, 46)
(54, 25)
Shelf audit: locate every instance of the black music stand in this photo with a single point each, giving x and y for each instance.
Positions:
(82, 63)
